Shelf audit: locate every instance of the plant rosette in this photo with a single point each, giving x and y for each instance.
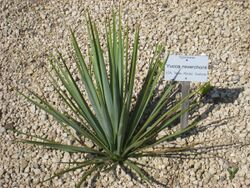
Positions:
(120, 130)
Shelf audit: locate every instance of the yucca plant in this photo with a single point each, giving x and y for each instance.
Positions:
(121, 129)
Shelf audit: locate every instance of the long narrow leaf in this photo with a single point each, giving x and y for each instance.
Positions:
(83, 164)
(63, 147)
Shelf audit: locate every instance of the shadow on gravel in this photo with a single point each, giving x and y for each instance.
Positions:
(130, 173)
(222, 95)
(214, 98)
(219, 96)
(135, 177)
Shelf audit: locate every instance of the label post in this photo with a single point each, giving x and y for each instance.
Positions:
(184, 92)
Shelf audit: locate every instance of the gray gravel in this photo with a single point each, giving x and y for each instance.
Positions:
(31, 29)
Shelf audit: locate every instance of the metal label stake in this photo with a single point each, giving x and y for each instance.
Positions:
(184, 92)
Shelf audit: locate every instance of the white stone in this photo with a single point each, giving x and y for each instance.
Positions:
(33, 109)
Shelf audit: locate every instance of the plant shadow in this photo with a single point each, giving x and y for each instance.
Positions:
(213, 98)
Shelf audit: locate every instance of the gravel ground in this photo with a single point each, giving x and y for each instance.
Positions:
(31, 29)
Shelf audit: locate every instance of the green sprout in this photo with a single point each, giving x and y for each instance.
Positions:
(232, 171)
(208, 87)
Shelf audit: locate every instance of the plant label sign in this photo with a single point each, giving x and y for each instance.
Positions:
(186, 68)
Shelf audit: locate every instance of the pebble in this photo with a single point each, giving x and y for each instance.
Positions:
(29, 71)
(36, 171)
(33, 109)
(23, 164)
(44, 117)
(66, 157)
(2, 130)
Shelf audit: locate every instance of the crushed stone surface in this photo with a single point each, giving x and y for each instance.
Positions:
(31, 30)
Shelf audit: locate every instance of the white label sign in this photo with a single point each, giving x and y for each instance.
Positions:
(187, 68)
